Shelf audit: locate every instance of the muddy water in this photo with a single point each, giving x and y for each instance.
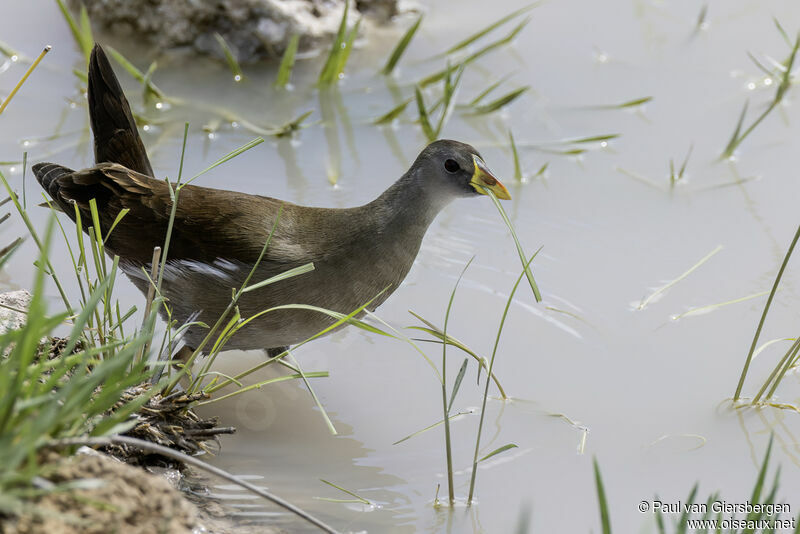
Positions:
(650, 389)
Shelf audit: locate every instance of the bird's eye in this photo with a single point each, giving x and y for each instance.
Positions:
(451, 165)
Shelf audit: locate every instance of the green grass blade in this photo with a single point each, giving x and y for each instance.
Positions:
(430, 427)
(230, 58)
(138, 75)
(498, 450)
(501, 102)
(663, 289)
(424, 120)
(474, 37)
(314, 396)
(474, 474)
(352, 494)
(633, 103)
(287, 62)
(347, 49)
(517, 166)
(437, 76)
(528, 273)
(328, 74)
(605, 519)
(683, 522)
(457, 384)
(393, 113)
(308, 267)
(76, 29)
(401, 46)
(483, 94)
(227, 157)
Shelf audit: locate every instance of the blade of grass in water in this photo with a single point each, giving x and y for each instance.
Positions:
(229, 156)
(661, 290)
(712, 307)
(517, 166)
(352, 494)
(437, 333)
(499, 103)
(348, 48)
(528, 273)
(398, 51)
(474, 37)
(230, 58)
(625, 105)
(483, 94)
(605, 519)
(431, 427)
(81, 32)
(437, 76)
(393, 113)
(457, 383)
(287, 62)
(424, 120)
(24, 77)
(474, 474)
(138, 75)
(499, 450)
(445, 405)
(330, 71)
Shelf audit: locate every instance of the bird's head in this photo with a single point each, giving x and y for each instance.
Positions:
(459, 168)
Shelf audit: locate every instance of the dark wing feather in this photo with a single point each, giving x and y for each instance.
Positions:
(209, 223)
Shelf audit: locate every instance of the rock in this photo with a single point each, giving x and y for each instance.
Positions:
(9, 318)
(254, 29)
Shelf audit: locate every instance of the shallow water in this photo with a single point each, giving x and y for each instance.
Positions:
(652, 391)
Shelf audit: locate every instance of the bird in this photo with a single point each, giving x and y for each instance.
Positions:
(359, 254)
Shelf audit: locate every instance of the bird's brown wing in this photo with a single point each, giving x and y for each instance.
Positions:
(209, 223)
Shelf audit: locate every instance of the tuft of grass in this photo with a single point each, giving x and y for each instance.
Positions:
(28, 72)
(675, 177)
(400, 48)
(230, 58)
(786, 81)
(75, 394)
(287, 62)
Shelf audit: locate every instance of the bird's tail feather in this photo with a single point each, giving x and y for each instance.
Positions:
(116, 139)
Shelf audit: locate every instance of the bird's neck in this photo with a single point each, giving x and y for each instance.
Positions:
(411, 201)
